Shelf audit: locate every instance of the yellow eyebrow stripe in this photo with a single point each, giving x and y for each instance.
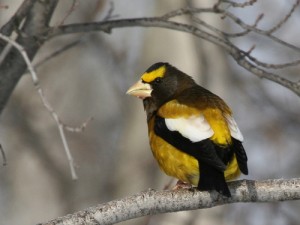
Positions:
(150, 76)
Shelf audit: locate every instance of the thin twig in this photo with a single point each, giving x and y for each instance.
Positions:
(248, 53)
(45, 102)
(185, 11)
(74, 5)
(79, 129)
(241, 60)
(58, 52)
(247, 31)
(271, 65)
(3, 156)
(192, 11)
(109, 15)
(222, 33)
(258, 31)
(240, 5)
(284, 20)
(250, 50)
(67, 149)
(208, 26)
(238, 21)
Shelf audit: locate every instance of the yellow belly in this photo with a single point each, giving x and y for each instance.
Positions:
(180, 165)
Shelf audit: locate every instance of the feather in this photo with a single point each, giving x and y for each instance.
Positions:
(195, 128)
(204, 151)
(234, 129)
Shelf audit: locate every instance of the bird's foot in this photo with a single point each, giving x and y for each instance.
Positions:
(182, 185)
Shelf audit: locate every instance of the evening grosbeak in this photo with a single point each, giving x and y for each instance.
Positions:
(192, 133)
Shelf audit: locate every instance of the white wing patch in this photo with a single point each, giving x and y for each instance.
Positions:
(194, 128)
(234, 129)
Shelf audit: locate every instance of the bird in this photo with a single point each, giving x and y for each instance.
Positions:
(192, 132)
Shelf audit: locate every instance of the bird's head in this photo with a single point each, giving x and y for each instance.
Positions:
(159, 84)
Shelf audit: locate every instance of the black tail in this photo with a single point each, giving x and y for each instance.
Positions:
(212, 179)
(241, 155)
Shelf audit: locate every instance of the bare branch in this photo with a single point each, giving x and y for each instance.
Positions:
(57, 52)
(250, 50)
(45, 102)
(237, 54)
(79, 129)
(74, 5)
(258, 31)
(241, 60)
(247, 28)
(239, 5)
(16, 20)
(285, 19)
(34, 22)
(185, 11)
(243, 33)
(273, 66)
(208, 26)
(155, 202)
(66, 146)
(3, 156)
(109, 15)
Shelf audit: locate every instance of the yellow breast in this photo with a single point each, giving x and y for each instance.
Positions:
(180, 165)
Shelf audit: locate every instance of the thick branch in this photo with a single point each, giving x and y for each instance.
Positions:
(154, 202)
(13, 65)
(15, 21)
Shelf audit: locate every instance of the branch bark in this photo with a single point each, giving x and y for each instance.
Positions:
(241, 57)
(17, 18)
(153, 202)
(13, 65)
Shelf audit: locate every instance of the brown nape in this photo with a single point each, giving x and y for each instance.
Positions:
(180, 86)
(184, 81)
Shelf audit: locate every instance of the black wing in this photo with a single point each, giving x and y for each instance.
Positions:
(204, 151)
(241, 155)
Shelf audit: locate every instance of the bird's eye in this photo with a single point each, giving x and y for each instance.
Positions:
(158, 80)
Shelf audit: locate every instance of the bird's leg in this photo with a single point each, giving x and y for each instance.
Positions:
(182, 185)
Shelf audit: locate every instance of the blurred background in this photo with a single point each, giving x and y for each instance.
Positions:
(112, 155)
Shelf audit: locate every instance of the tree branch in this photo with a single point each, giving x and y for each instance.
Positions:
(17, 18)
(35, 23)
(35, 32)
(47, 105)
(239, 55)
(155, 202)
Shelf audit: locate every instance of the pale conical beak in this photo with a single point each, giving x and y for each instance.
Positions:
(140, 90)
